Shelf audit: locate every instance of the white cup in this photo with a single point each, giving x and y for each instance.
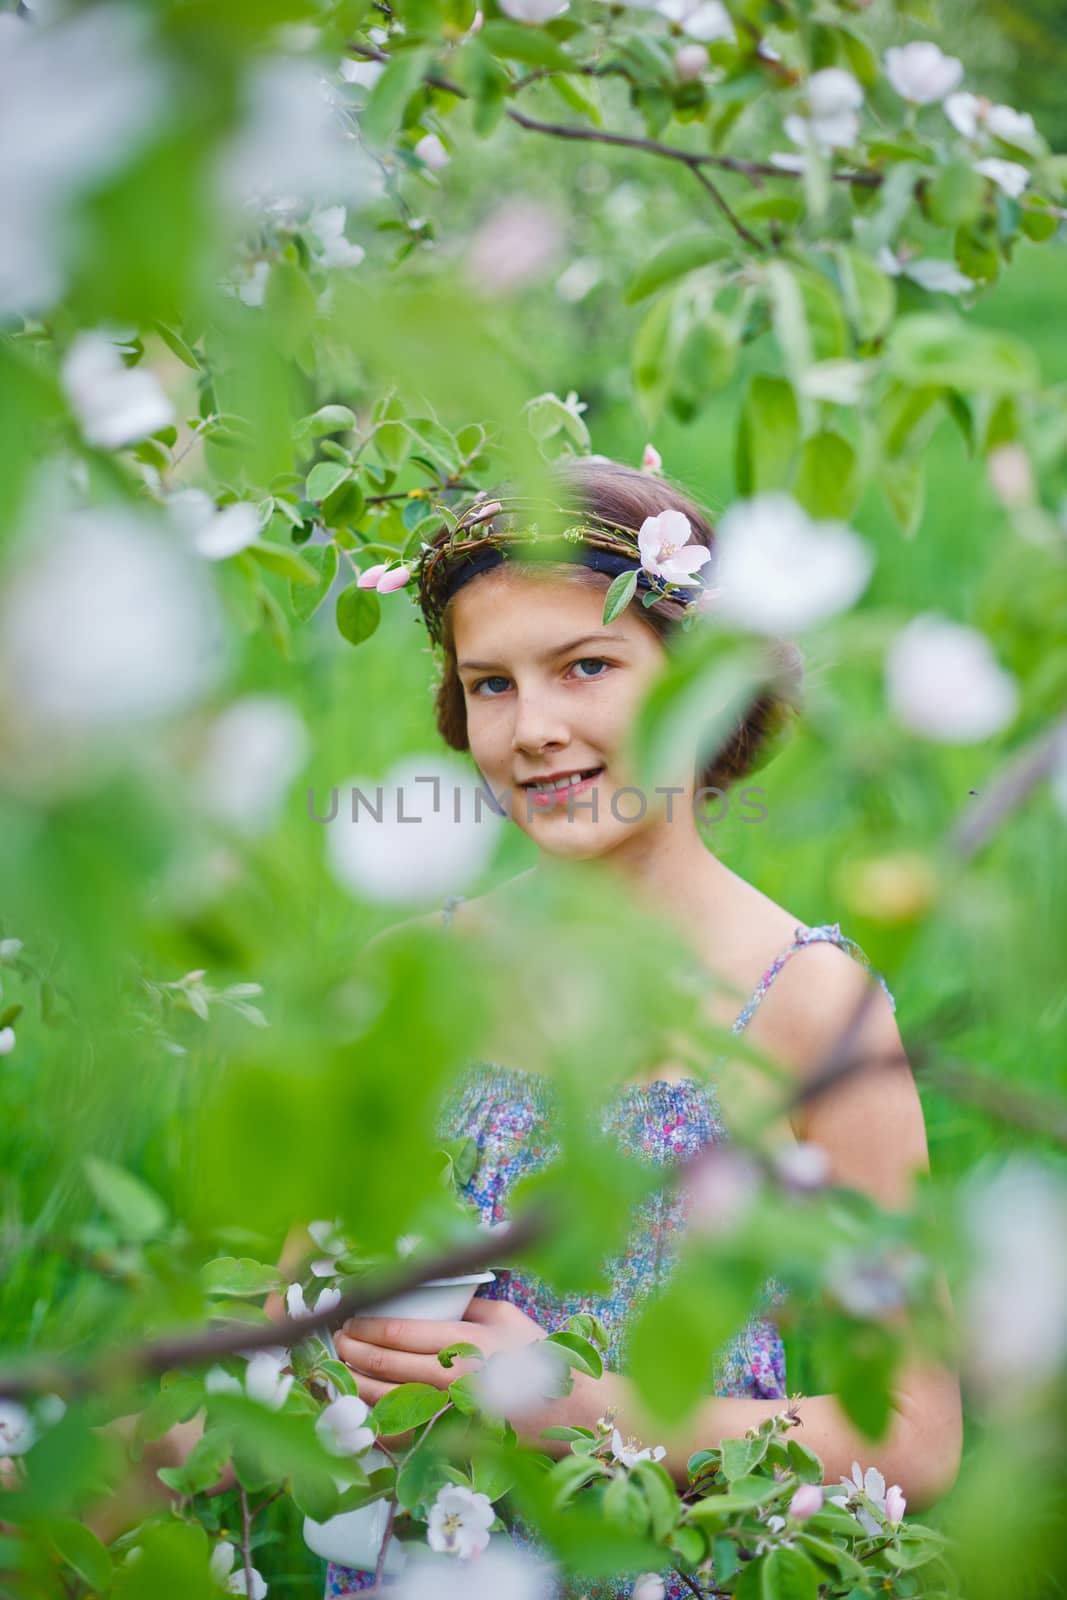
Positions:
(354, 1538)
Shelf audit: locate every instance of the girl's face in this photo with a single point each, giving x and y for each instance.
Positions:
(550, 692)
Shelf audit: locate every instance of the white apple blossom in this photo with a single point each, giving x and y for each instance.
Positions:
(149, 643)
(1010, 176)
(115, 405)
(778, 570)
(965, 111)
(218, 1381)
(665, 550)
(513, 1382)
(297, 1306)
(17, 1430)
(10, 950)
(459, 1521)
(690, 61)
(704, 20)
(252, 752)
(1014, 127)
(228, 1570)
(895, 1503)
(834, 99)
(328, 226)
(649, 1586)
(535, 11)
(341, 1427)
(872, 1485)
(802, 1165)
(1015, 1301)
(944, 683)
(627, 1454)
(266, 1383)
(329, 1236)
(213, 533)
(520, 241)
(383, 858)
(842, 382)
(1011, 475)
(921, 72)
(432, 153)
(7, 1041)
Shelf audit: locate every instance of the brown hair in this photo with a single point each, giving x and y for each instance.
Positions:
(622, 496)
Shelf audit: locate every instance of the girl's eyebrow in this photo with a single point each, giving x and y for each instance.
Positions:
(557, 650)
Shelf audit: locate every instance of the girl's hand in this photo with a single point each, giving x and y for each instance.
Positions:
(386, 1351)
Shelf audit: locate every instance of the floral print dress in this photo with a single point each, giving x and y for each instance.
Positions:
(509, 1114)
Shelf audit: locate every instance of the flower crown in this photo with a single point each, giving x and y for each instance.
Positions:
(656, 557)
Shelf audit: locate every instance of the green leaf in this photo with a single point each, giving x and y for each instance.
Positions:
(81, 1549)
(315, 1493)
(663, 1505)
(359, 611)
(516, 42)
(580, 1353)
(438, 443)
(740, 1456)
(136, 1210)
(285, 562)
(173, 1560)
(570, 1474)
(768, 435)
(459, 1352)
(620, 593)
(324, 478)
(870, 294)
(828, 480)
(788, 1575)
(956, 195)
(203, 1465)
(393, 443)
(327, 419)
(407, 1406)
(744, 1495)
(651, 355)
(341, 1375)
(903, 483)
(304, 600)
(674, 260)
(706, 361)
(574, 92)
(241, 1276)
(177, 345)
(383, 114)
(931, 348)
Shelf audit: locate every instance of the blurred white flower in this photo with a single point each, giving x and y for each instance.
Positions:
(575, 281)
(1011, 475)
(415, 851)
(944, 683)
(214, 534)
(459, 1521)
(296, 145)
(365, 73)
(432, 153)
(228, 1571)
(536, 11)
(802, 1165)
(104, 625)
(1014, 1312)
(834, 99)
(328, 226)
(787, 160)
(719, 1188)
(870, 1286)
(513, 1382)
(265, 1382)
(971, 114)
(627, 1453)
(690, 61)
(520, 241)
(649, 1586)
(341, 1427)
(842, 382)
(501, 1572)
(17, 1432)
(218, 1381)
(705, 20)
(778, 570)
(253, 751)
(1010, 176)
(921, 72)
(10, 949)
(248, 282)
(7, 1041)
(115, 404)
(938, 277)
(76, 100)
(297, 1306)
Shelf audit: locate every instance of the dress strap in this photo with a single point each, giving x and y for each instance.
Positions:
(825, 933)
(449, 906)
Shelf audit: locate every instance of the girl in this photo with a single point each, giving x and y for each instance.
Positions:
(542, 693)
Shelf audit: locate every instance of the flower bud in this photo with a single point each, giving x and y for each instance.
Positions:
(894, 1503)
(7, 1041)
(394, 580)
(651, 461)
(432, 153)
(689, 62)
(806, 1501)
(372, 577)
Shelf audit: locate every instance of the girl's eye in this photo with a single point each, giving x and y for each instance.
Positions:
(585, 661)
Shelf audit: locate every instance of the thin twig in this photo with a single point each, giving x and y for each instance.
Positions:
(246, 1537)
(720, 200)
(1009, 788)
(688, 1581)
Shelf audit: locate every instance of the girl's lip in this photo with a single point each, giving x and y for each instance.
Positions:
(545, 801)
